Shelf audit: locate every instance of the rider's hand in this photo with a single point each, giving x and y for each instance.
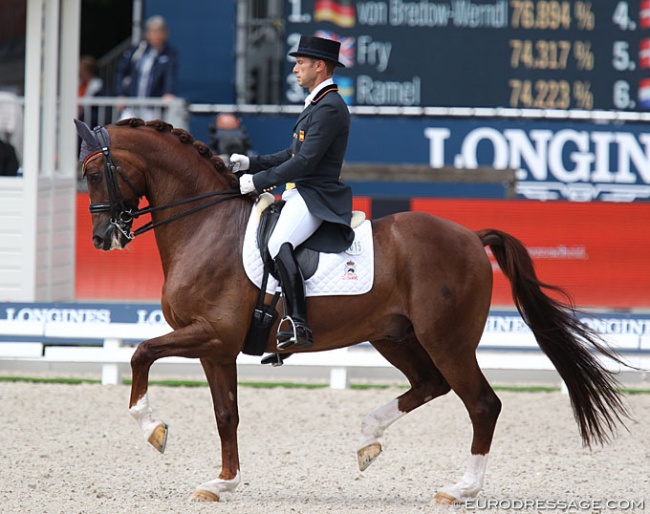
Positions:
(240, 162)
(246, 184)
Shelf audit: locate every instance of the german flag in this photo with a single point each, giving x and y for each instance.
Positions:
(339, 12)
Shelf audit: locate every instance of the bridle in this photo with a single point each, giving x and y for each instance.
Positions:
(124, 213)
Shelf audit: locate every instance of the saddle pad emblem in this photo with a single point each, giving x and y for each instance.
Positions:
(350, 271)
(337, 273)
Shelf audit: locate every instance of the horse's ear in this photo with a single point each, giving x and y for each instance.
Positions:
(86, 135)
(89, 141)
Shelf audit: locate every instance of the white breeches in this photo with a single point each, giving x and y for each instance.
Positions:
(295, 223)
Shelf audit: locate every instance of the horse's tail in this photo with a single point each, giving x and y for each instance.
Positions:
(567, 341)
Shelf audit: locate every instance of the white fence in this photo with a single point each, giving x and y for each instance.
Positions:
(111, 345)
(105, 110)
(112, 351)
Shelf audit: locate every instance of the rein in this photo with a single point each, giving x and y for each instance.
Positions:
(123, 213)
(233, 193)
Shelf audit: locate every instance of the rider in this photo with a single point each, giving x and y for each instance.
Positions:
(318, 205)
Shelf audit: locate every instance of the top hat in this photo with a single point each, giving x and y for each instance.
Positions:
(318, 48)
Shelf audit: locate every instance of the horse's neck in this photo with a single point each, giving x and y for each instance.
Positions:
(173, 177)
(217, 230)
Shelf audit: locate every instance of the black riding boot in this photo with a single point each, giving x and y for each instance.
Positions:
(294, 325)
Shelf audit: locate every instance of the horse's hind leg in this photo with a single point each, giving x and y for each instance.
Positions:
(426, 384)
(466, 379)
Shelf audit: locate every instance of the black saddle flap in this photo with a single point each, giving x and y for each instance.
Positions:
(306, 257)
(268, 221)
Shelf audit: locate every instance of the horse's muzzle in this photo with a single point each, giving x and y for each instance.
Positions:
(109, 238)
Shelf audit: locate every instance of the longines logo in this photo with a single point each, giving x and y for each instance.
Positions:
(579, 165)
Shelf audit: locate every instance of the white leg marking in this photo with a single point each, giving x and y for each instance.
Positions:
(472, 481)
(218, 486)
(374, 424)
(142, 414)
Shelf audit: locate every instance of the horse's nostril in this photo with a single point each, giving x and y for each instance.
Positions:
(98, 242)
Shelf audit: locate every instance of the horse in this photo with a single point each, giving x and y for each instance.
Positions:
(425, 312)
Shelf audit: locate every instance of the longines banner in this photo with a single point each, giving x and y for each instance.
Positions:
(84, 312)
(499, 321)
(552, 160)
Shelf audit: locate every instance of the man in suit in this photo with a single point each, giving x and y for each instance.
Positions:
(318, 205)
(149, 69)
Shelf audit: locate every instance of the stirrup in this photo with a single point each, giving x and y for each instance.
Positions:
(276, 359)
(287, 338)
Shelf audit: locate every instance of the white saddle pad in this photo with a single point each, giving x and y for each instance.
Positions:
(346, 273)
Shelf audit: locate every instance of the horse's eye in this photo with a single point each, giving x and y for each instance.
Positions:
(94, 178)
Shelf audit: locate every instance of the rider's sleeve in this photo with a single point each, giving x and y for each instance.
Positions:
(262, 162)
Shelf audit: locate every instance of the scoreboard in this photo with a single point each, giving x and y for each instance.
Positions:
(528, 54)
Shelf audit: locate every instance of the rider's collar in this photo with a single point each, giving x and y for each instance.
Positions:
(311, 98)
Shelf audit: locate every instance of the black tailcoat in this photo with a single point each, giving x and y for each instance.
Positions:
(313, 162)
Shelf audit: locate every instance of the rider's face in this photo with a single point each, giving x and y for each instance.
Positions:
(305, 70)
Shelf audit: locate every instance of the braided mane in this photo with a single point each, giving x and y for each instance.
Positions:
(186, 138)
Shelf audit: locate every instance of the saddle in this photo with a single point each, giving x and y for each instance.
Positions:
(265, 315)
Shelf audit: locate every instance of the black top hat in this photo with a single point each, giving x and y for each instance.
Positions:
(319, 48)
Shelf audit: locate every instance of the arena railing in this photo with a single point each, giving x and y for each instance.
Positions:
(506, 345)
(105, 110)
(437, 112)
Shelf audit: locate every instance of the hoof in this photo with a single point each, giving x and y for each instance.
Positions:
(201, 495)
(158, 438)
(367, 455)
(444, 499)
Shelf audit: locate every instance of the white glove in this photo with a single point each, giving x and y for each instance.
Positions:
(240, 162)
(246, 184)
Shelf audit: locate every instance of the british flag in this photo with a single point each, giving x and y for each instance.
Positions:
(346, 54)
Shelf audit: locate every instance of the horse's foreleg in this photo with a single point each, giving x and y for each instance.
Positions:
(222, 379)
(426, 384)
(192, 341)
(154, 430)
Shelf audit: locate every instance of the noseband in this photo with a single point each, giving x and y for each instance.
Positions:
(122, 212)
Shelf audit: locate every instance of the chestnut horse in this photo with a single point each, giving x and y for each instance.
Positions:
(425, 312)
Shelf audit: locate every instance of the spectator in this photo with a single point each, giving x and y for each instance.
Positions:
(148, 70)
(228, 136)
(8, 161)
(11, 121)
(90, 85)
